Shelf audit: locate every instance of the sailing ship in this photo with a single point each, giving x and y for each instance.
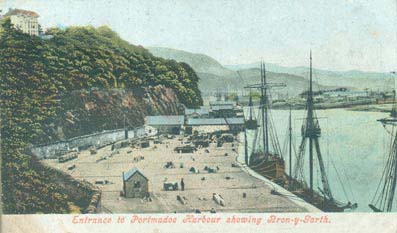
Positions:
(384, 195)
(311, 132)
(265, 156)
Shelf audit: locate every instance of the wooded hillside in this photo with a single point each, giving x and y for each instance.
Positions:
(34, 73)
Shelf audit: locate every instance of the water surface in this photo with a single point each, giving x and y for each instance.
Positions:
(352, 142)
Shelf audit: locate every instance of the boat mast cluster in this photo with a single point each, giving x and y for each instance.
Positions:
(384, 195)
(264, 108)
(270, 163)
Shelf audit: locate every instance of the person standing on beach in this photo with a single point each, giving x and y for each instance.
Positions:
(182, 185)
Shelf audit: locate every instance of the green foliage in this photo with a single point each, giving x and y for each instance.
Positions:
(35, 72)
(98, 57)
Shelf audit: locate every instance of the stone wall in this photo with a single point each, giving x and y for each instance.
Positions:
(100, 139)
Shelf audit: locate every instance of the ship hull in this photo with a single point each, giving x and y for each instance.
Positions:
(314, 198)
(271, 167)
(274, 169)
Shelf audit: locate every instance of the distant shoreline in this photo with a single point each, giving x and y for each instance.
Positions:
(367, 107)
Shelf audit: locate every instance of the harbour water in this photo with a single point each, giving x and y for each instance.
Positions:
(353, 142)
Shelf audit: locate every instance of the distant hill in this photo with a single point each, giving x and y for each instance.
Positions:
(295, 84)
(199, 62)
(215, 76)
(353, 78)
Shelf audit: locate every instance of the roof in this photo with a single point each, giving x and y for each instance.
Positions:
(212, 103)
(201, 111)
(165, 120)
(132, 172)
(347, 93)
(216, 121)
(222, 107)
(21, 12)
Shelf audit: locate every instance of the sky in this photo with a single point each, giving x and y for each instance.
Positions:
(343, 34)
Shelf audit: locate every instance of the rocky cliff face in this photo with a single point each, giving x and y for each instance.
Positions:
(88, 111)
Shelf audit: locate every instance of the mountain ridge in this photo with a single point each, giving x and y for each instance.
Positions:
(201, 63)
(256, 64)
(228, 75)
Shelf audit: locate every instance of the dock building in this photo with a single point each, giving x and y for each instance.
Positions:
(166, 124)
(135, 184)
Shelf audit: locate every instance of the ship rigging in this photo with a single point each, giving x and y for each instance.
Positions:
(384, 195)
(311, 132)
(265, 157)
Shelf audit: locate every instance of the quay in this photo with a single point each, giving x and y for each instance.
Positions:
(240, 188)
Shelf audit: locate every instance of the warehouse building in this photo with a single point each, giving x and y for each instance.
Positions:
(222, 103)
(166, 124)
(201, 112)
(215, 124)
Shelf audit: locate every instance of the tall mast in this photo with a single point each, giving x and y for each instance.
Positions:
(310, 123)
(394, 107)
(262, 104)
(312, 132)
(245, 146)
(250, 104)
(392, 161)
(388, 183)
(290, 148)
(263, 111)
(266, 112)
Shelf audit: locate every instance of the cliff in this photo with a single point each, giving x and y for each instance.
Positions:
(89, 111)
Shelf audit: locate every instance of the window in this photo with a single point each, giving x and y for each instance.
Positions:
(137, 184)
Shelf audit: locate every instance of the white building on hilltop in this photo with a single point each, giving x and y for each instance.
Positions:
(26, 21)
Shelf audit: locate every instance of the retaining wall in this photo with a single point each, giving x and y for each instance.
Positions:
(100, 139)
